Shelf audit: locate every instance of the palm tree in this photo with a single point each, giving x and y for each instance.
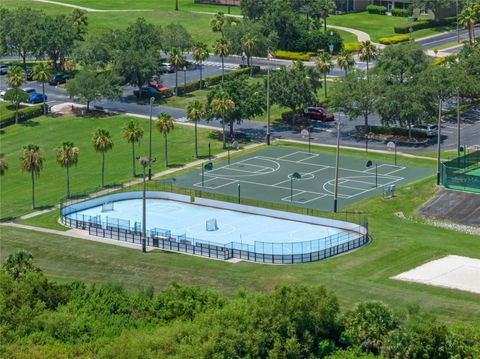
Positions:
(345, 61)
(248, 43)
(324, 65)
(3, 164)
(325, 8)
(32, 161)
(176, 59)
(467, 18)
(42, 73)
(102, 142)
(221, 107)
(200, 54)
(164, 125)
(218, 22)
(67, 155)
(15, 79)
(195, 112)
(368, 52)
(221, 48)
(133, 133)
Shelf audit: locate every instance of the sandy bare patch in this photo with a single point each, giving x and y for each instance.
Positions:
(452, 271)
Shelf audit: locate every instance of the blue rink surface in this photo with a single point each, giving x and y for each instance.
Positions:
(243, 228)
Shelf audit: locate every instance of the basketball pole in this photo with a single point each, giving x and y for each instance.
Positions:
(337, 159)
(152, 99)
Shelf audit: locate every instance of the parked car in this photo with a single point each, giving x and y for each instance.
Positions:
(429, 130)
(318, 113)
(166, 67)
(164, 91)
(29, 90)
(3, 92)
(58, 79)
(3, 69)
(36, 98)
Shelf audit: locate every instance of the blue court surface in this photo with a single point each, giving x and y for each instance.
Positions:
(259, 233)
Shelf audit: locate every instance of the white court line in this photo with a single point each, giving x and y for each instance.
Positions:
(359, 189)
(199, 184)
(232, 169)
(287, 199)
(303, 174)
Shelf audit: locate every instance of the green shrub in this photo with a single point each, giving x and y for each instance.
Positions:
(401, 12)
(392, 131)
(375, 9)
(404, 28)
(293, 55)
(395, 39)
(7, 118)
(352, 46)
(216, 79)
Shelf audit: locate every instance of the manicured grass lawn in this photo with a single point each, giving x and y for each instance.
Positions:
(50, 132)
(398, 245)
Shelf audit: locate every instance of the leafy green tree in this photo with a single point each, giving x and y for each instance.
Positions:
(294, 87)
(466, 72)
(165, 125)
(220, 22)
(42, 73)
(249, 100)
(324, 65)
(264, 39)
(175, 35)
(133, 133)
(19, 29)
(177, 60)
(135, 67)
(79, 20)
(57, 38)
(199, 55)
(89, 85)
(195, 112)
(102, 143)
(356, 95)
(15, 79)
(405, 105)
(368, 52)
(32, 161)
(345, 61)
(369, 325)
(221, 48)
(469, 16)
(399, 63)
(220, 107)
(19, 264)
(67, 156)
(96, 51)
(435, 5)
(3, 164)
(254, 9)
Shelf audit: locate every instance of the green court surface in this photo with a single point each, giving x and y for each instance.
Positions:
(475, 172)
(266, 175)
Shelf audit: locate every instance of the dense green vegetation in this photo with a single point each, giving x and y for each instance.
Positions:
(50, 132)
(43, 318)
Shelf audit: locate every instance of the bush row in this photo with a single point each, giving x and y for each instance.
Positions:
(352, 46)
(375, 9)
(393, 131)
(423, 24)
(8, 117)
(395, 39)
(402, 12)
(294, 55)
(216, 79)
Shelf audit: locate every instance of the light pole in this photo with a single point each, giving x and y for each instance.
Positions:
(152, 99)
(337, 160)
(458, 28)
(268, 97)
(144, 162)
(439, 135)
(458, 122)
(184, 79)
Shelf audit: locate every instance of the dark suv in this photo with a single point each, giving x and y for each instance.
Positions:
(58, 79)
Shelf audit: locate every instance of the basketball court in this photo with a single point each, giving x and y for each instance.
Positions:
(282, 175)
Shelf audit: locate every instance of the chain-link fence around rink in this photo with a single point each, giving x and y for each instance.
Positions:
(264, 252)
(462, 173)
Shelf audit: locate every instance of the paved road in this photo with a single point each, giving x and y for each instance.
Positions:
(444, 39)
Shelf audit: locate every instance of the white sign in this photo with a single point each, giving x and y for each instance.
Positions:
(391, 146)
